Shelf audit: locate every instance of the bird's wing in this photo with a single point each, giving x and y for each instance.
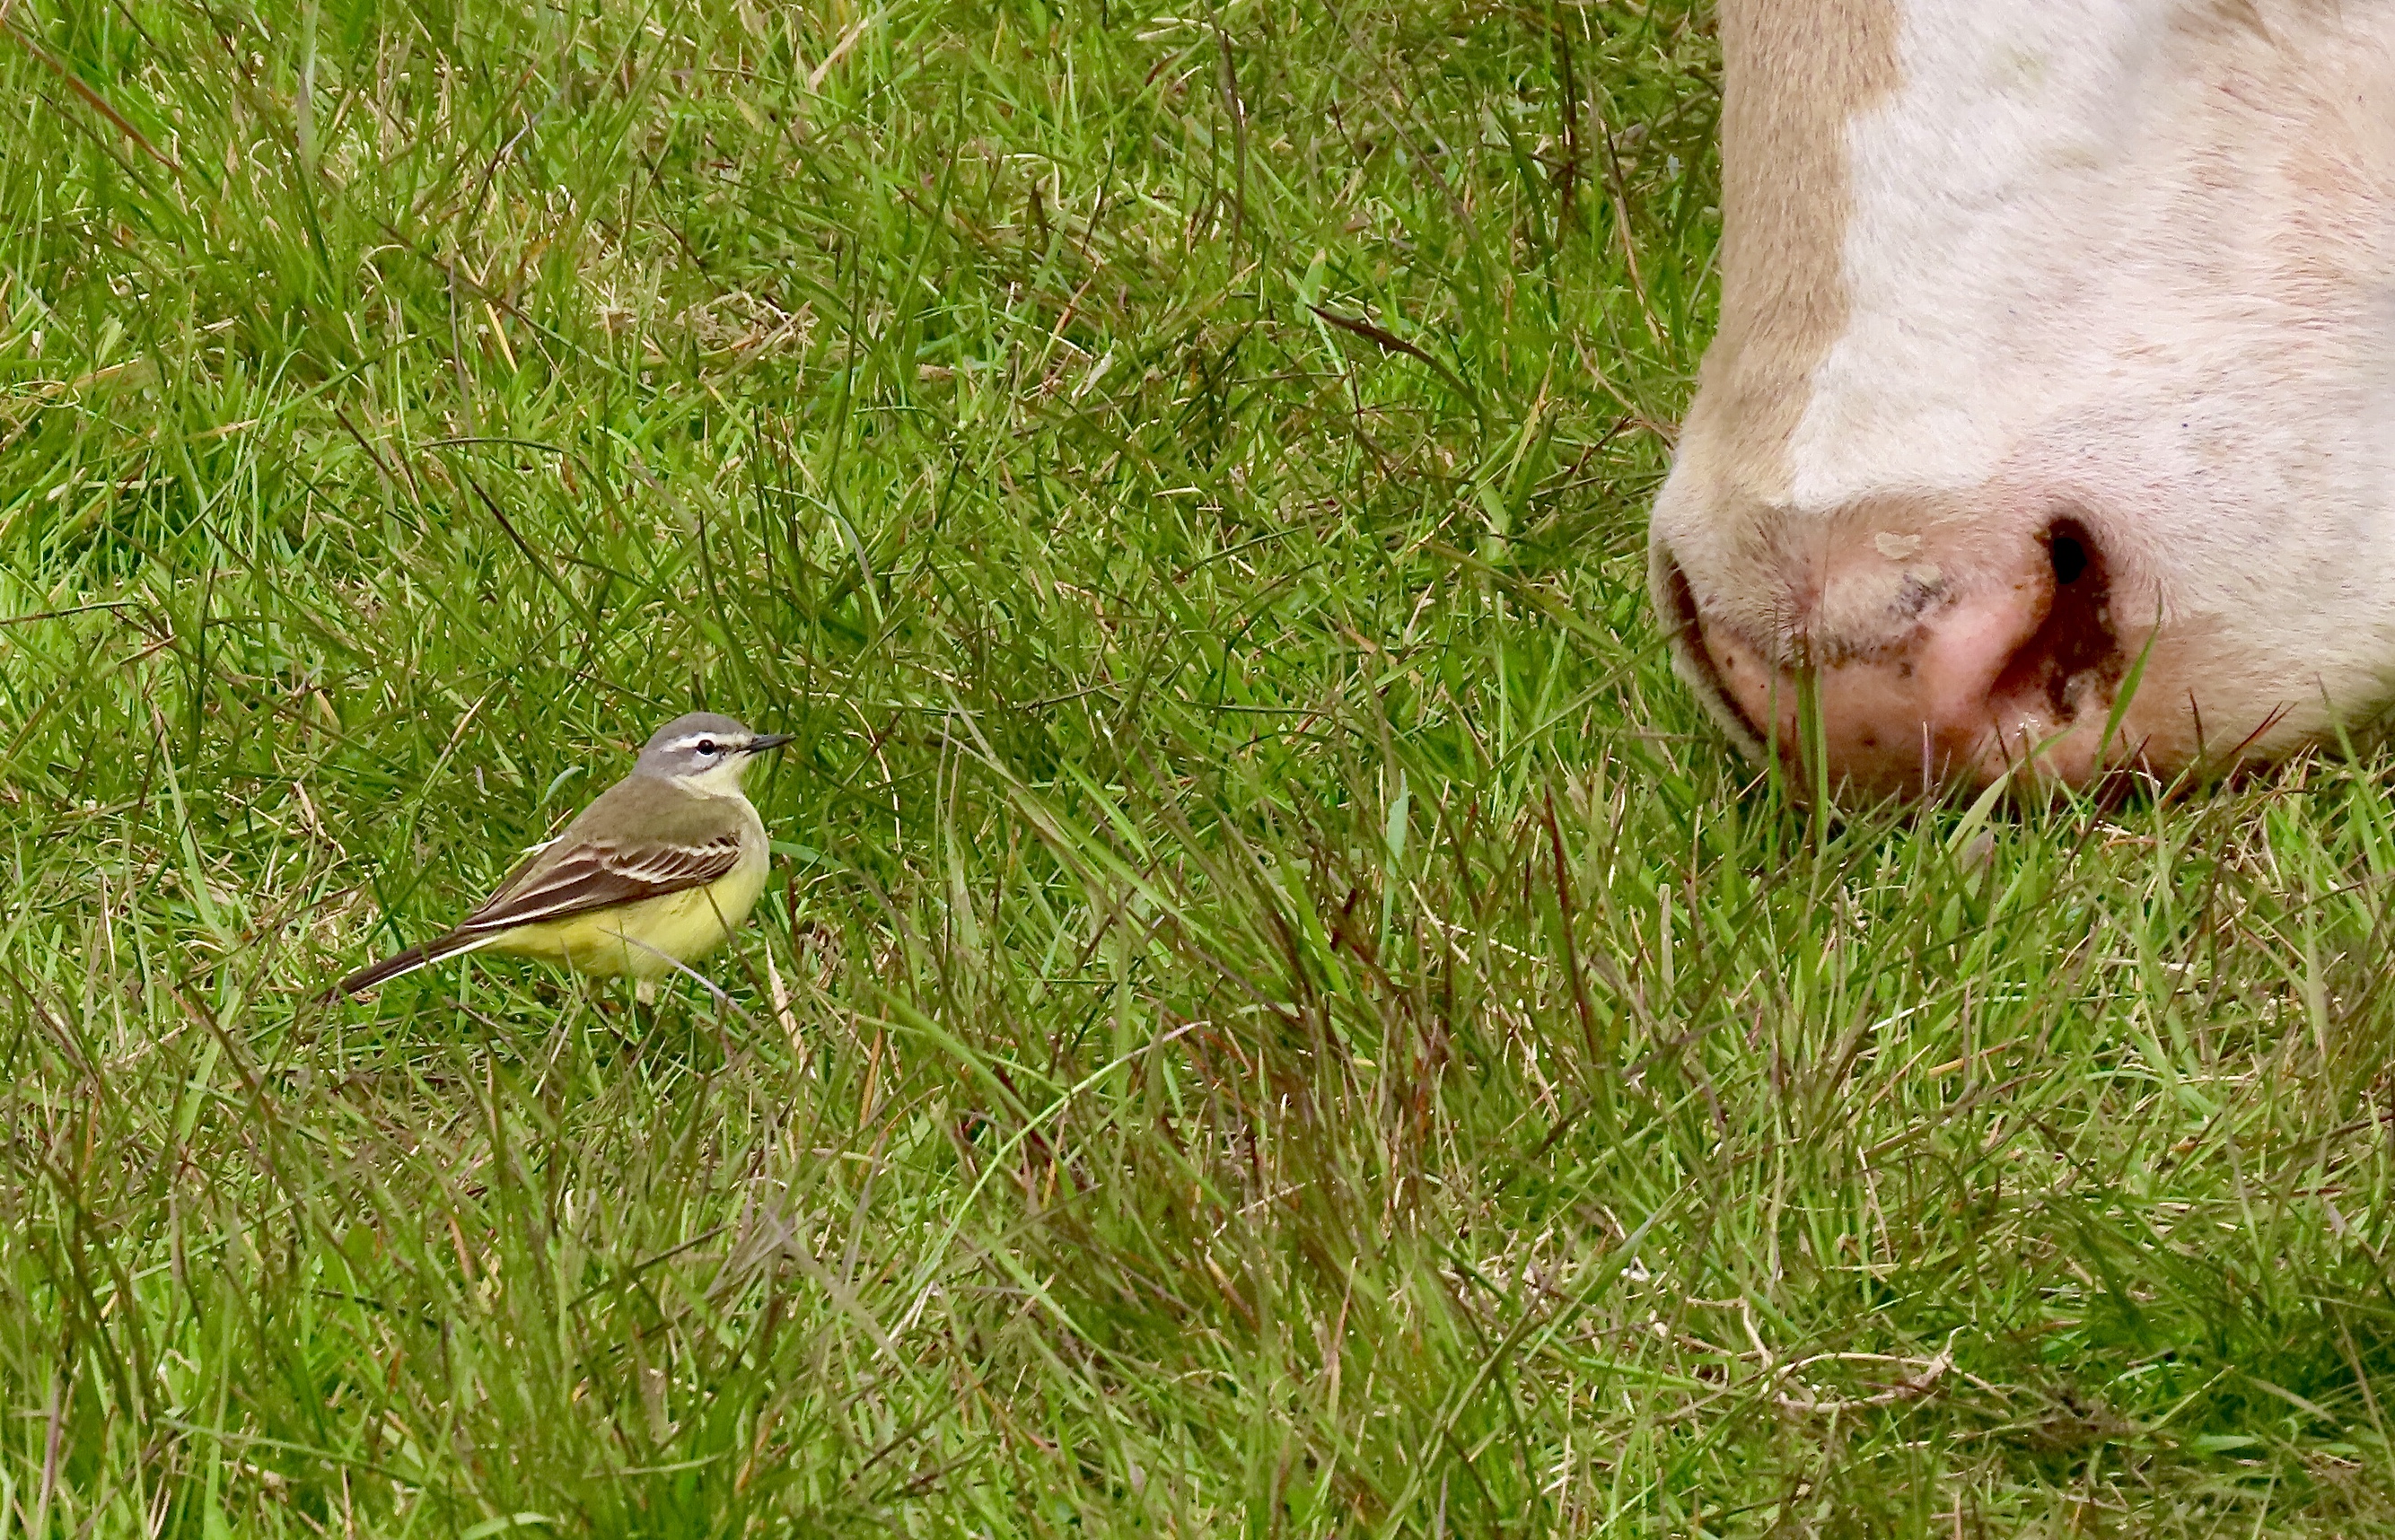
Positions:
(683, 841)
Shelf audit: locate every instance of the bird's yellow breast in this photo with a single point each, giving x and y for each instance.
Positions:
(645, 939)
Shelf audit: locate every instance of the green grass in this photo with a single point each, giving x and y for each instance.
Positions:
(1274, 1014)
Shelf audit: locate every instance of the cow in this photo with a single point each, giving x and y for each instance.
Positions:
(2049, 427)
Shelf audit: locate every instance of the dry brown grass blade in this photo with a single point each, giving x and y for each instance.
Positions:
(98, 103)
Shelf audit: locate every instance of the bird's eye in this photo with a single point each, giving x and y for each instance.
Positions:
(706, 746)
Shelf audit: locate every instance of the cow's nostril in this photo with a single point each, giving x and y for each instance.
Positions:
(2073, 652)
(2068, 551)
(1705, 671)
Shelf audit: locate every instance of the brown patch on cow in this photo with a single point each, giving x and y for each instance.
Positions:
(1793, 75)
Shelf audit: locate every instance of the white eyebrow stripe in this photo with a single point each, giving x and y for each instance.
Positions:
(722, 740)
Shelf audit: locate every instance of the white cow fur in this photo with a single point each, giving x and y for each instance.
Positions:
(2134, 258)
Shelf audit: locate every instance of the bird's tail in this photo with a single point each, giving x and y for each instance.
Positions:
(396, 963)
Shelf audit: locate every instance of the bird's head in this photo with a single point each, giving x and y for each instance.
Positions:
(705, 752)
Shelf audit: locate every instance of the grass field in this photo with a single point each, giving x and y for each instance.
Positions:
(1275, 1015)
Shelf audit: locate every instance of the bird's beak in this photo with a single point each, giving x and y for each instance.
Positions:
(764, 740)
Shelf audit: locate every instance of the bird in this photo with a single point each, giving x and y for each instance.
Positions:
(658, 870)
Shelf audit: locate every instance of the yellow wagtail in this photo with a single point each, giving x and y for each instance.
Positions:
(658, 870)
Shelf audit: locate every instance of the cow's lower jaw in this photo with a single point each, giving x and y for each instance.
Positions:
(2018, 674)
